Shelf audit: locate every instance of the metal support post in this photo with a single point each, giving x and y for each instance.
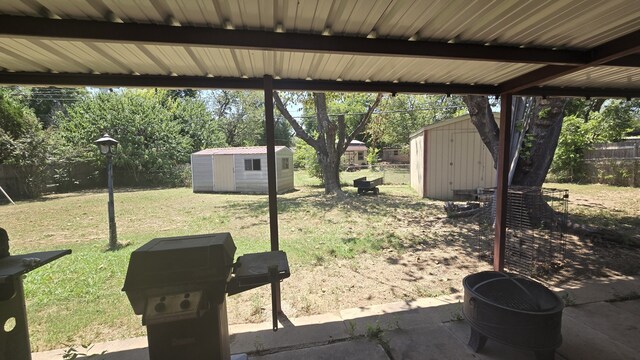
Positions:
(271, 177)
(113, 235)
(503, 181)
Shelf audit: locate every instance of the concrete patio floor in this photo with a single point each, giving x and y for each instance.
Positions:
(603, 322)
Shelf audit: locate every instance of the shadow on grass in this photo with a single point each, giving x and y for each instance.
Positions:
(79, 193)
(374, 205)
(628, 226)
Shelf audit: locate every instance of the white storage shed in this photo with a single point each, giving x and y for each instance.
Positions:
(448, 159)
(240, 169)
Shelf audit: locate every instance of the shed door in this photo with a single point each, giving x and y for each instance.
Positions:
(466, 162)
(224, 173)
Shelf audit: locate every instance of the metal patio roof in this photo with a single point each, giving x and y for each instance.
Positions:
(553, 47)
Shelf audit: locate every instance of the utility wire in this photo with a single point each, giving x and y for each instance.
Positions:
(386, 112)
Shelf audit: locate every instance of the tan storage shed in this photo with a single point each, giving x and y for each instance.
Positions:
(395, 155)
(449, 158)
(240, 169)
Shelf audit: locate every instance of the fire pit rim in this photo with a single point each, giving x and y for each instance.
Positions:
(558, 307)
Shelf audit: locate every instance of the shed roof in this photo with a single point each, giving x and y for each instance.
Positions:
(356, 148)
(248, 150)
(446, 122)
(356, 145)
(561, 47)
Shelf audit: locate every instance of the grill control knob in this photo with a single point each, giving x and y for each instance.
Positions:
(185, 304)
(160, 307)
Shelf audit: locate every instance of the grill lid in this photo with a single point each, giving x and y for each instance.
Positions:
(164, 262)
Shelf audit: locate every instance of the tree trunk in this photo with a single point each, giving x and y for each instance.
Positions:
(540, 142)
(328, 154)
(540, 139)
(536, 153)
(482, 118)
(331, 175)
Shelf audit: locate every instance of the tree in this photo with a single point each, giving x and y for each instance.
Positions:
(402, 115)
(151, 143)
(540, 132)
(180, 93)
(196, 122)
(586, 124)
(282, 132)
(331, 137)
(23, 144)
(239, 115)
(46, 102)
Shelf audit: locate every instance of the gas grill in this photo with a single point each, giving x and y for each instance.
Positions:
(179, 286)
(14, 335)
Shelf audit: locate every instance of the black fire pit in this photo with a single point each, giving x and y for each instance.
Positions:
(512, 310)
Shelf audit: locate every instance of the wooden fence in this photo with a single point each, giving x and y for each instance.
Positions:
(614, 163)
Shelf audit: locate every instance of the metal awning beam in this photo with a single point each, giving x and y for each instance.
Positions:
(102, 31)
(621, 50)
(202, 82)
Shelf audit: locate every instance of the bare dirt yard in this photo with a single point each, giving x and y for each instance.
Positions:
(430, 254)
(362, 251)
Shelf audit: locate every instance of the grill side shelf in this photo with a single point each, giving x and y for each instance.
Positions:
(252, 270)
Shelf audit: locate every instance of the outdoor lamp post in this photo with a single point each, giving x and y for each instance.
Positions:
(108, 147)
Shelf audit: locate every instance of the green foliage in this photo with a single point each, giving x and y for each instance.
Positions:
(568, 162)
(372, 156)
(196, 122)
(527, 144)
(402, 115)
(47, 102)
(151, 143)
(185, 175)
(610, 124)
(351, 105)
(23, 144)
(283, 133)
(374, 331)
(239, 116)
(305, 157)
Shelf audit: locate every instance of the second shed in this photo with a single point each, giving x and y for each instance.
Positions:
(240, 169)
(449, 160)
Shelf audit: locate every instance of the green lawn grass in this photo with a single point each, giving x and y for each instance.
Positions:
(78, 299)
(613, 207)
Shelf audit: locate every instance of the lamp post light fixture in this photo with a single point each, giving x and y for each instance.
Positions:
(108, 147)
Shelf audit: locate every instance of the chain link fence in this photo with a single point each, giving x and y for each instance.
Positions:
(392, 174)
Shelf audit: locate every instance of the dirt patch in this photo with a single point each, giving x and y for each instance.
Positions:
(434, 264)
(362, 281)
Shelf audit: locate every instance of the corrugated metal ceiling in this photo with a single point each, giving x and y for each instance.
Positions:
(579, 24)
(572, 24)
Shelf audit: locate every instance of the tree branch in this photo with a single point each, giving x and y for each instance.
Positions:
(342, 129)
(482, 118)
(294, 124)
(363, 122)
